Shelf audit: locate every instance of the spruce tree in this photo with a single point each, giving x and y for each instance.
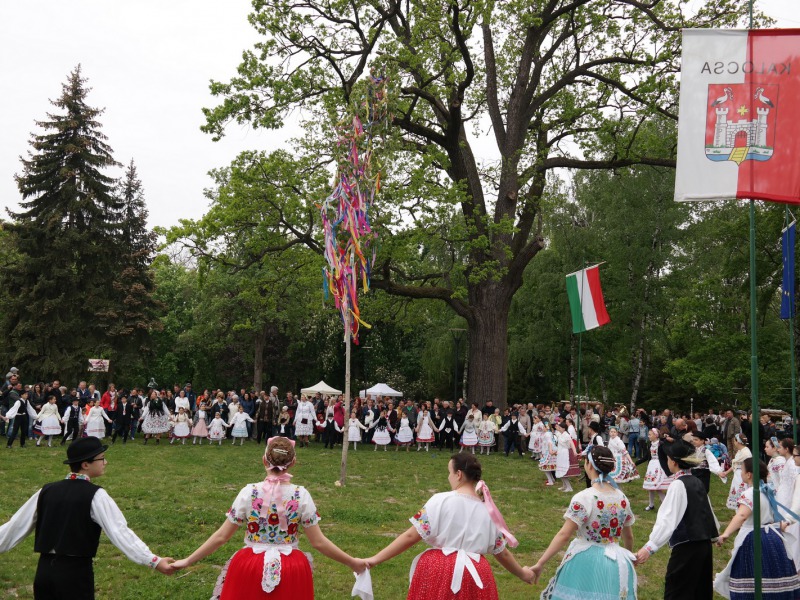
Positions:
(135, 285)
(67, 233)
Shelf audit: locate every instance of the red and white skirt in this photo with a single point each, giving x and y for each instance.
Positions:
(241, 577)
(434, 572)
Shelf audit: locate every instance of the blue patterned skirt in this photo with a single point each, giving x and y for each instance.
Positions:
(589, 575)
(779, 579)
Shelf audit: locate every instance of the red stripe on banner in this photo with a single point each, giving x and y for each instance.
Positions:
(593, 277)
(766, 111)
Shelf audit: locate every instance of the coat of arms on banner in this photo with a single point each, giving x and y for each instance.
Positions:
(740, 121)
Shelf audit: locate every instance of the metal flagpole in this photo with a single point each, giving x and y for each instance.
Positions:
(580, 355)
(755, 417)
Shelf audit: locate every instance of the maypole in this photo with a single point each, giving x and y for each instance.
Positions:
(349, 238)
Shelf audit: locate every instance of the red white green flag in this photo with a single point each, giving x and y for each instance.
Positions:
(586, 300)
(739, 117)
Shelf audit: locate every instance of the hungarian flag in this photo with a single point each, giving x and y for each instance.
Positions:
(739, 116)
(586, 300)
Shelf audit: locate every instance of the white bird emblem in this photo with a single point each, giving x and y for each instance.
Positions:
(728, 96)
(762, 98)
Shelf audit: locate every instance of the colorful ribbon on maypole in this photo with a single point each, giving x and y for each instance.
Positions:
(349, 238)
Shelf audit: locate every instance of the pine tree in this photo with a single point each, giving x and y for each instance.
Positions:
(67, 239)
(139, 310)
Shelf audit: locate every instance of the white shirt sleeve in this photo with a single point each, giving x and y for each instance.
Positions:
(106, 514)
(20, 525)
(12, 412)
(713, 463)
(669, 516)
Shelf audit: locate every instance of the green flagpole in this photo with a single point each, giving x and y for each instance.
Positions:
(755, 412)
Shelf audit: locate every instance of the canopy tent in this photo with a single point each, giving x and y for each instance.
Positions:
(322, 388)
(381, 389)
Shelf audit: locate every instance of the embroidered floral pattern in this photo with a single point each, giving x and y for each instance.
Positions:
(604, 522)
(422, 522)
(74, 476)
(266, 529)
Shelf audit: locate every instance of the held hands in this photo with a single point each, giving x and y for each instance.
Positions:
(536, 572)
(166, 566)
(721, 539)
(359, 565)
(180, 564)
(529, 575)
(642, 556)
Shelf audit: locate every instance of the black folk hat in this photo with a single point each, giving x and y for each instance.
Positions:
(84, 449)
(680, 451)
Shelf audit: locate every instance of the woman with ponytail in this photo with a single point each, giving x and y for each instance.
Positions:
(460, 526)
(270, 566)
(779, 576)
(598, 563)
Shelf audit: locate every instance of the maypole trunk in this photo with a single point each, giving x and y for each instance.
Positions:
(345, 443)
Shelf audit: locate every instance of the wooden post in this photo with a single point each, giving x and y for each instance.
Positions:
(345, 443)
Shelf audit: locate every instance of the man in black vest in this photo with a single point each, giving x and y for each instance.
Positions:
(21, 411)
(72, 419)
(122, 419)
(686, 521)
(68, 516)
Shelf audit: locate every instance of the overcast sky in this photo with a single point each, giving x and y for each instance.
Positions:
(149, 64)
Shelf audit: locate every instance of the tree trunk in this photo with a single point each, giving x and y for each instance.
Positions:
(488, 354)
(259, 344)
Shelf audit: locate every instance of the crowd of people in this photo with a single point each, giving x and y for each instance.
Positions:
(682, 453)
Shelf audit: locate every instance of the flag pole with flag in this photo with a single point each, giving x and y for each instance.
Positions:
(788, 305)
(588, 309)
(738, 137)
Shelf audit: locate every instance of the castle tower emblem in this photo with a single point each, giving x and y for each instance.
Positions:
(740, 121)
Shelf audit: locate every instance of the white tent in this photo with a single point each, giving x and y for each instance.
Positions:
(322, 388)
(381, 389)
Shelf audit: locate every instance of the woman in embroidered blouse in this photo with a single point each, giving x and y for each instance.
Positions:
(776, 461)
(460, 526)
(600, 517)
(737, 485)
(270, 566)
(784, 483)
(779, 576)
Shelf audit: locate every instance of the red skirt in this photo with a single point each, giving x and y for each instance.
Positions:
(241, 578)
(434, 573)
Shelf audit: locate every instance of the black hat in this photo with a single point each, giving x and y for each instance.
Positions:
(680, 451)
(84, 449)
(699, 434)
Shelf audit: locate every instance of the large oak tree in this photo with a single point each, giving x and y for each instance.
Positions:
(488, 100)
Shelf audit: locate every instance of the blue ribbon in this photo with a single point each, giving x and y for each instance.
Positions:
(774, 504)
(601, 477)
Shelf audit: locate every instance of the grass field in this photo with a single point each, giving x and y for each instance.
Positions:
(175, 496)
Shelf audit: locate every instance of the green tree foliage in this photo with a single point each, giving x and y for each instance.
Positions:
(537, 85)
(63, 301)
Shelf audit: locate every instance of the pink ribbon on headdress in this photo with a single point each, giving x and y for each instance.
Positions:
(494, 513)
(271, 491)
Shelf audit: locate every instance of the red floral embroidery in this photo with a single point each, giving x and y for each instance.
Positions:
(418, 515)
(623, 503)
(292, 528)
(600, 504)
(273, 519)
(576, 506)
(614, 522)
(605, 532)
(619, 531)
(252, 527)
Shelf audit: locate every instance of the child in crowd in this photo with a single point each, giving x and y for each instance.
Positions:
(239, 425)
(469, 434)
(404, 436)
(50, 421)
(181, 430)
(382, 436)
(425, 429)
(486, 434)
(217, 429)
(200, 425)
(354, 429)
